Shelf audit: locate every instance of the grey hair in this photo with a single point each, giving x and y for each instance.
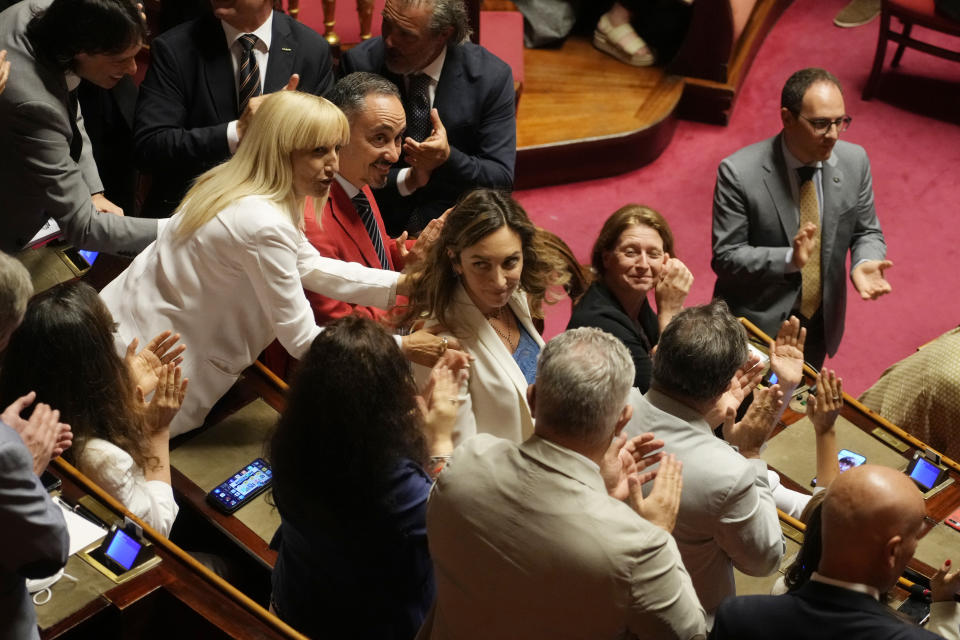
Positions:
(699, 351)
(15, 291)
(583, 378)
(797, 85)
(446, 14)
(351, 91)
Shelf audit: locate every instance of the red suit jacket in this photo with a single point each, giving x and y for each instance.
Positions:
(341, 235)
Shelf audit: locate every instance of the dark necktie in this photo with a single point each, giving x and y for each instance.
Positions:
(362, 205)
(418, 107)
(76, 141)
(811, 291)
(249, 72)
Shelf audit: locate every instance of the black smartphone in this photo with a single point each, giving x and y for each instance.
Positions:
(50, 482)
(847, 460)
(241, 487)
(120, 551)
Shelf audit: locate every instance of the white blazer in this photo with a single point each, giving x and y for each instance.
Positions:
(495, 400)
(229, 290)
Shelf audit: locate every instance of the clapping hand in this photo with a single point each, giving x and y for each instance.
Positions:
(744, 380)
(786, 354)
(145, 365)
(626, 457)
(167, 398)
(804, 244)
(438, 402)
(824, 407)
(672, 289)
(43, 433)
(752, 431)
(424, 157)
(661, 506)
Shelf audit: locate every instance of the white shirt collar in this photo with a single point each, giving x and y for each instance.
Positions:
(434, 68)
(348, 187)
(873, 592)
(264, 32)
(73, 80)
(792, 163)
(570, 452)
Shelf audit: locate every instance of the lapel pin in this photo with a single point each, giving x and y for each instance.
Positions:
(285, 49)
(836, 179)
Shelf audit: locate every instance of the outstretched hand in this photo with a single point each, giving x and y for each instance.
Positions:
(425, 347)
(869, 280)
(661, 506)
(425, 241)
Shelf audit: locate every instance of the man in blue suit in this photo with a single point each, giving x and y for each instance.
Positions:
(192, 109)
(787, 210)
(459, 102)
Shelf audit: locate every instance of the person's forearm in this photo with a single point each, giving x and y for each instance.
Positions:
(827, 467)
(158, 464)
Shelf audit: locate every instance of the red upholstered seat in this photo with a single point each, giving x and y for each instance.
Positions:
(909, 13)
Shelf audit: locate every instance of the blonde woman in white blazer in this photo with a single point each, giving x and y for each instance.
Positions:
(474, 283)
(227, 271)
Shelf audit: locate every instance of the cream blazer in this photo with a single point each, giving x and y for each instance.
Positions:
(229, 290)
(494, 400)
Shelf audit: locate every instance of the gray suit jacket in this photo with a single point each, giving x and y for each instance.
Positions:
(33, 537)
(526, 543)
(755, 219)
(727, 514)
(38, 178)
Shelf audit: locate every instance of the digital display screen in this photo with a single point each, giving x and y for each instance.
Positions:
(244, 483)
(925, 473)
(849, 459)
(123, 549)
(89, 256)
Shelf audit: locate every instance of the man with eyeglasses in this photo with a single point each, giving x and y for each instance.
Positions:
(785, 212)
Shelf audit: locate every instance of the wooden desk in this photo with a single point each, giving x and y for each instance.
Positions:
(177, 596)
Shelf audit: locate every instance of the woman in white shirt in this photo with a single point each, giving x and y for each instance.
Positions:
(64, 352)
(228, 270)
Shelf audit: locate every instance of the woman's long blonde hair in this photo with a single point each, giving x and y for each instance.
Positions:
(287, 121)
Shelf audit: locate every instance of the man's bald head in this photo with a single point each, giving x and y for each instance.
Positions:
(872, 517)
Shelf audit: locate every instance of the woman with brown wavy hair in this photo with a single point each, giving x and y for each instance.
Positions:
(474, 283)
(64, 351)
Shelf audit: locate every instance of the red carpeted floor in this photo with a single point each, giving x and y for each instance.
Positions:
(910, 131)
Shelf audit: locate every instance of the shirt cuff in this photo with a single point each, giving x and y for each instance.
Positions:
(233, 138)
(402, 187)
(790, 268)
(399, 340)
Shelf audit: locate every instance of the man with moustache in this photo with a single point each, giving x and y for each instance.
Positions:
(350, 226)
(459, 102)
(205, 82)
(787, 210)
(48, 176)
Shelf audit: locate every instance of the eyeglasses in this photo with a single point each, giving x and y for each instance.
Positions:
(822, 125)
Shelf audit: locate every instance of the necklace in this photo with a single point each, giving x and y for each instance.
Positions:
(498, 315)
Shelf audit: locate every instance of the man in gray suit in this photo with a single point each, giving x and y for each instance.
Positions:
(33, 539)
(535, 540)
(728, 515)
(785, 212)
(47, 170)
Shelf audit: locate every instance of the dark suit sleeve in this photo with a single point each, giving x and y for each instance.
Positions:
(162, 140)
(496, 136)
(34, 535)
(587, 315)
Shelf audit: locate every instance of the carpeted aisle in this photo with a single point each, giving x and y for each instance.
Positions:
(910, 131)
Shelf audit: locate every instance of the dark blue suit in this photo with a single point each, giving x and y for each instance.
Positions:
(475, 100)
(815, 610)
(189, 96)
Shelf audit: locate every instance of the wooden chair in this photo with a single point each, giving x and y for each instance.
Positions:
(909, 12)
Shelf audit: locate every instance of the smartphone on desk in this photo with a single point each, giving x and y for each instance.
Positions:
(847, 460)
(241, 487)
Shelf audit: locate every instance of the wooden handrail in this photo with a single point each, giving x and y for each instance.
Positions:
(213, 579)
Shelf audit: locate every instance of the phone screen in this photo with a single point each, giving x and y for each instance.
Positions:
(925, 473)
(123, 549)
(243, 486)
(847, 460)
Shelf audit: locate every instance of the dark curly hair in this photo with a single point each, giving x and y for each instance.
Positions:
(351, 417)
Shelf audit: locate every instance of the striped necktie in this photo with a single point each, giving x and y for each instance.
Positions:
(362, 205)
(811, 291)
(249, 71)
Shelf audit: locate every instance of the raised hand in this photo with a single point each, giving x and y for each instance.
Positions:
(425, 241)
(166, 400)
(672, 289)
(626, 457)
(662, 505)
(243, 123)
(438, 403)
(146, 364)
(786, 354)
(824, 407)
(869, 280)
(744, 380)
(424, 157)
